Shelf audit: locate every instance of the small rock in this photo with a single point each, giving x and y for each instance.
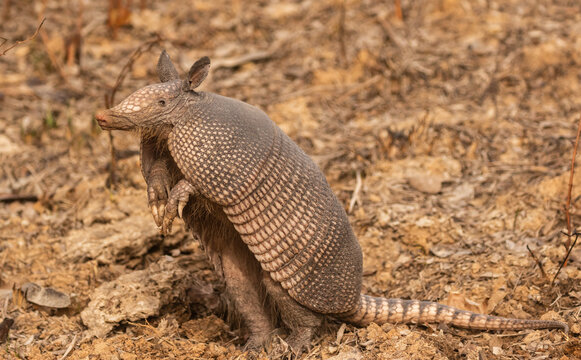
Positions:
(42, 296)
(426, 183)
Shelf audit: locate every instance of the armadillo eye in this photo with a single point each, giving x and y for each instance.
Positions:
(161, 102)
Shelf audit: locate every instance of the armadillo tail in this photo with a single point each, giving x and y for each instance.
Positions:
(381, 311)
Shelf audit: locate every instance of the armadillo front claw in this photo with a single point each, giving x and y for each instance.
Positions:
(155, 214)
(161, 211)
(178, 199)
(157, 194)
(181, 206)
(158, 212)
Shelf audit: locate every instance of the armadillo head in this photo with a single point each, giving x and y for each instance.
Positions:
(148, 107)
(158, 106)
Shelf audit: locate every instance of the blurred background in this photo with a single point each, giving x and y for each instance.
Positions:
(445, 128)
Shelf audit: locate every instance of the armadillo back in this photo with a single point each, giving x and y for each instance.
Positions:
(276, 197)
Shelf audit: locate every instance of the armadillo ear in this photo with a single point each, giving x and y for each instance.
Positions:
(165, 68)
(198, 72)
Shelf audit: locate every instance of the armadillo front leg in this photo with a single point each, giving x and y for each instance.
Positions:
(155, 169)
(178, 198)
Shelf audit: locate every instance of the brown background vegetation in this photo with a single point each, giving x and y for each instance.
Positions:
(447, 135)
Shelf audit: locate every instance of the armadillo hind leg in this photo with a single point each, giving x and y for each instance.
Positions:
(381, 310)
(301, 321)
(242, 276)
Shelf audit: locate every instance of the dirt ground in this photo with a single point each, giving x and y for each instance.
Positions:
(447, 136)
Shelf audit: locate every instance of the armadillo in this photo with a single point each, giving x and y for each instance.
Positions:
(264, 212)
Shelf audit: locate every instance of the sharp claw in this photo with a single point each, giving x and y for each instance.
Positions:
(155, 215)
(181, 206)
(161, 211)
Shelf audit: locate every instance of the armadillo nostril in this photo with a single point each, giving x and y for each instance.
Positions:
(102, 119)
(100, 116)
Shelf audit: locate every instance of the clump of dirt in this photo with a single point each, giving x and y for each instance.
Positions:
(447, 135)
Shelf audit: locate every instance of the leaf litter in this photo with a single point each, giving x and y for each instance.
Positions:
(447, 135)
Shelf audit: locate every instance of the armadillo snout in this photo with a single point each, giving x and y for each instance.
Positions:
(101, 118)
(108, 120)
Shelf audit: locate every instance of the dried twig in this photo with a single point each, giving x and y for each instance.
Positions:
(5, 307)
(243, 59)
(355, 196)
(113, 167)
(252, 56)
(537, 261)
(6, 10)
(156, 332)
(53, 59)
(74, 41)
(147, 325)
(17, 197)
(71, 345)
(118, 14)
(570, 189)
(110, 98)
(21, 41)
(398, 12)
(357, 88)
(570, 232)
(562, 264)
(397, 40)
